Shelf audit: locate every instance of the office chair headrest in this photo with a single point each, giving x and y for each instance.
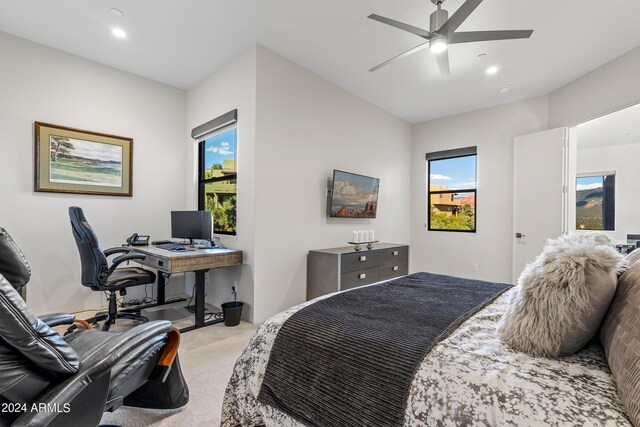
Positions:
(80, 226)
(13, 265)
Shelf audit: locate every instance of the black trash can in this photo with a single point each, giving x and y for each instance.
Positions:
(232, 312)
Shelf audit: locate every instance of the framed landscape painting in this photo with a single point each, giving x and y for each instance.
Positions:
(77, 161)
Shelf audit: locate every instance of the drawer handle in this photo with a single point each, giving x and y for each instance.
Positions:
(395, 268)
(395, 253)
(362, 276)
(363, 258)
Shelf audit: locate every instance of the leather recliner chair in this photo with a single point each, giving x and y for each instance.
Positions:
(47, 379)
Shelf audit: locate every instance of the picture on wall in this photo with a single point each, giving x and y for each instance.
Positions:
(77, 161)
(353, 195)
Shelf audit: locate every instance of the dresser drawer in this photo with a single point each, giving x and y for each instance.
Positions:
(359, 278)
(359, 261)
(390, 271)
(394, 255)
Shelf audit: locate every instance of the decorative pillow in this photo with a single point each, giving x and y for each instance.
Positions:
(620, 336)
(561, 297)
(632, 257)
(582, 237)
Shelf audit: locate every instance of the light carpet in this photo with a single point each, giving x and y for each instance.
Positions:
(207, 357)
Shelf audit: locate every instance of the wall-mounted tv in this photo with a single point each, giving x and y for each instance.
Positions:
(353, 195)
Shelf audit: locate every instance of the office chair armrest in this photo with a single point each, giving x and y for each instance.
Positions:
(116, 250)
(57, 319)
(95, 373)
(122, 258)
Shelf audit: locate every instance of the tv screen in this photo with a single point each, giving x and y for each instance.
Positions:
(353, 196)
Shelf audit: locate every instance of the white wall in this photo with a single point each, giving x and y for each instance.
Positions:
(492, 130)
(234, 86)
(306, 127)
(294, 128)
(623, 159)
(607, 88)
(38, 83)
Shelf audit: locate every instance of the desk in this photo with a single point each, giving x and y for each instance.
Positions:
(198, 261)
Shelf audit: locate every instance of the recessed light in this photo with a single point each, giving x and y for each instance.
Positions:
(481, 55)
(119, 33)
(116, 12)
(505, 89)
(492, 70)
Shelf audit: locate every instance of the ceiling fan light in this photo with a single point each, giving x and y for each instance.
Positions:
(438, 45)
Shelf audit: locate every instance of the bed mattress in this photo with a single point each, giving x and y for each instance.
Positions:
(470, 378)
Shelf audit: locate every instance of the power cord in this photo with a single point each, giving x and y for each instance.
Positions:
(217, 315)
(142, 301)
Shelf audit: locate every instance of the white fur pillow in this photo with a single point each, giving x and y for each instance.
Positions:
(561, 298)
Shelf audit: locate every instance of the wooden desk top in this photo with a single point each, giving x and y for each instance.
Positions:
(184, 261)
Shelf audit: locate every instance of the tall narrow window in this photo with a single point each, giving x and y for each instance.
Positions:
(217, 180)
(595, 202)
(451, 190)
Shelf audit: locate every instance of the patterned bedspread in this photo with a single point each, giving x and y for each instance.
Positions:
(470, 378)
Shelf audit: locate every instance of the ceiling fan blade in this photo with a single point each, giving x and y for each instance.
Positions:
(443, 62)
(458, 17)
(483, 36)
(401, 25)
(402, 55)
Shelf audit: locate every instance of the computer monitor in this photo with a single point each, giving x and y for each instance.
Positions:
(191, 225)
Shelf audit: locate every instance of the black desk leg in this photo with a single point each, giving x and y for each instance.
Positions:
(161, 283)
(200, 298)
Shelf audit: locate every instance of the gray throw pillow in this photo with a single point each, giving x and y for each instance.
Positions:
(632, 257)
(561, 298)
(620, 337)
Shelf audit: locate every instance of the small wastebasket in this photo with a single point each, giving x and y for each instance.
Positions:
(232, 312)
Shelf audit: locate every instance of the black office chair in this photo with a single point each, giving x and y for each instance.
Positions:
(48, 380)
(99, 276)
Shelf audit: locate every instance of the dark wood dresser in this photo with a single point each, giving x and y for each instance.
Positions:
(338, 269)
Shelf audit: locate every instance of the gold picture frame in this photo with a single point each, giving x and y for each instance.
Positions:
(69, 160)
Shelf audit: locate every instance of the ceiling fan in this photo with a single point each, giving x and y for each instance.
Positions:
(442, 33)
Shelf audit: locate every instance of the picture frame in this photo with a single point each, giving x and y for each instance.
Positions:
(69, 160)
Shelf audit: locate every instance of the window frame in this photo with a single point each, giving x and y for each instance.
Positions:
(608, 200)
(448, 155)
(202, 181)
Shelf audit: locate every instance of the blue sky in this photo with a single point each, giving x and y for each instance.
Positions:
(589, 182)
(456, 173)
(220, 147)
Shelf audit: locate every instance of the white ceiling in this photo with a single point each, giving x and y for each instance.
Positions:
(182, 43)
(617, 128)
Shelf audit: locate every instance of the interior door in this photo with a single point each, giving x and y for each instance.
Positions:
(541, 164)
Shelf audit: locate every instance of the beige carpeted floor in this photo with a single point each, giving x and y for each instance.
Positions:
(207, 357)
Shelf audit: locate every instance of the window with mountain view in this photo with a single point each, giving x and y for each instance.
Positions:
(218, 175)
(451, 193)
(595, 202)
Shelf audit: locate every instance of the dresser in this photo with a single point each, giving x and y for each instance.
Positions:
(338, 269)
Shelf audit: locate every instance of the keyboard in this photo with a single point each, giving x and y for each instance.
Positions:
(171, 247)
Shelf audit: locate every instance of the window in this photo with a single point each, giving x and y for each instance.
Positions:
(595, 201)
(451, 194)
(217, 180)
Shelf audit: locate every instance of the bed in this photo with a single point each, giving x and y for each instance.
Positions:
(467, 378)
